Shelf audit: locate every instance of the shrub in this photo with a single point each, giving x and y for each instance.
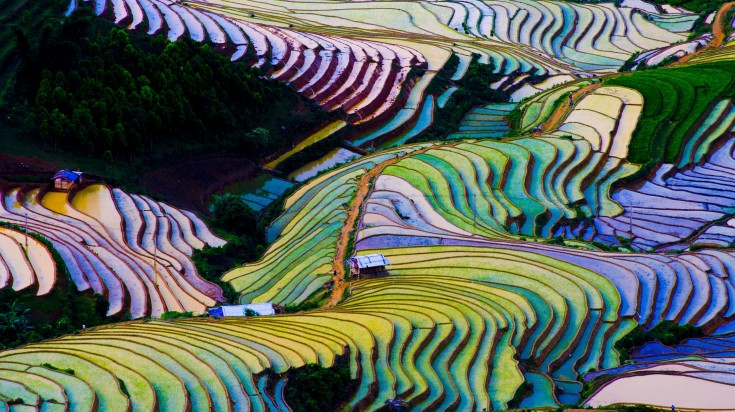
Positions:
(52, 367)
(525, 389)
(172, 314)
(473, 90)
(667, 332)
(234, 215)
(308, 305)
(313, 388)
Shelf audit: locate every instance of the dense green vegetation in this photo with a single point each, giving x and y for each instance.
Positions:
(15, 14)
(231, 213)
(676, 98)
(26, 318)
(244, 241)
(523, 391)
(473, 90)
(667, 332)
(315, 301)
(244, 230)
(314, 388)
(95, 90)
(697, 6)
(212, 262)
(172, 314)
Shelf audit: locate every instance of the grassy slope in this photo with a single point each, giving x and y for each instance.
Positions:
(675, 99)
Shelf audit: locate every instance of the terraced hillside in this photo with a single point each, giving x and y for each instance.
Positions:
(350, 56)
(441, 332)
(516, 262)
(132, 249)
(26, 263)
(672, 210)
(299, 260)
(524, 186)
(669, 373)
(428, 182)
(444, 344)
(362, 77)
(679, 103)
(489, 121)
(455, 201)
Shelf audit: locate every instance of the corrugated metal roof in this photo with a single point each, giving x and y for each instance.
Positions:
(370, 261)
(262, 309)
(67, 174)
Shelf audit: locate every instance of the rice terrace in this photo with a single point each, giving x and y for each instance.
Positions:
(367, 205)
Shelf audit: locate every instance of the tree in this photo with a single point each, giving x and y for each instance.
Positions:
(257, 139)
(313, 388)
(15, 321)
(232, 214)
(133, 95)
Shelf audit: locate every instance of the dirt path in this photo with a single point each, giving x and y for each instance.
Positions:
(365, 184)
(719, 25)
(560, 113)
(719, 31)
(345, 234)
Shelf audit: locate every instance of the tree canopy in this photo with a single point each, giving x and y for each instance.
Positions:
(118, 94)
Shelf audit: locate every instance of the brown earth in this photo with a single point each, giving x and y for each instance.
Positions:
(560, 113)
(719, 31)
(189, 182)
(16, 166)
(719, 25)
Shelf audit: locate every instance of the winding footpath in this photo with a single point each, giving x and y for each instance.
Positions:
(719, 32)
(355, 209)
(561, 112)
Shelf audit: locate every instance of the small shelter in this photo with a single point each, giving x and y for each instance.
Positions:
(261, 309)
(369, 265)
(66, 179)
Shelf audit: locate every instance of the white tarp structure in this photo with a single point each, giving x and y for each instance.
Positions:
(262, 309)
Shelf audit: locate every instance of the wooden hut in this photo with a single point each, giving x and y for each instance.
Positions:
(65, 180)
(368, 265)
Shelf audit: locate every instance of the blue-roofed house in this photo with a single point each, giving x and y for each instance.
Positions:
(66, 179)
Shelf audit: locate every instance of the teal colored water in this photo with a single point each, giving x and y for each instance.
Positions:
(444, 97)
(542, 395)
(260, 191)
(425, 118)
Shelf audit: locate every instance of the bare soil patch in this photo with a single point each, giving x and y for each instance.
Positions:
(189, 182)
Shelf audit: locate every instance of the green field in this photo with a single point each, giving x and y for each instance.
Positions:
(675, 99)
